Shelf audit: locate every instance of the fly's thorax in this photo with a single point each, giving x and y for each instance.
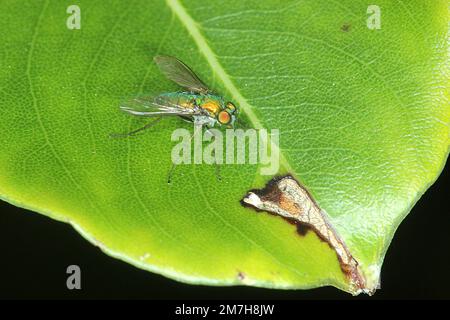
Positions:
(211, 104)
(182, 99)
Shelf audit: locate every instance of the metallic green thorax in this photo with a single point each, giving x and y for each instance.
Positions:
(189, 100)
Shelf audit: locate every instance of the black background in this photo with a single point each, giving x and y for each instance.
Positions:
(35, 252)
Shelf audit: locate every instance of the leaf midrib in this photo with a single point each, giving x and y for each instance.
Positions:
(192, 27)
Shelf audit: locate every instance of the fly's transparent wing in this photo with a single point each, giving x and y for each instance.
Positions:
(151, 106)
(180, 73)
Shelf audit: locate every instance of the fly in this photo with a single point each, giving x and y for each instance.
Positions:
(198, 105)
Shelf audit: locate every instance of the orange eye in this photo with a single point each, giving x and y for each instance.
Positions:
(224, 117)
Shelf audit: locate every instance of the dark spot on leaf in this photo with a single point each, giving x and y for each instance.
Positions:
(346, 27)
(241, 275)
(302, 229)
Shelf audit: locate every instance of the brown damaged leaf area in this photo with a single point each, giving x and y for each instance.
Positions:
(284, 196)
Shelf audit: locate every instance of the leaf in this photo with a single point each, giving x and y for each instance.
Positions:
(363, 117)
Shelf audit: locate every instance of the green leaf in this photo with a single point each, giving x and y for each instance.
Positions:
(363, 117)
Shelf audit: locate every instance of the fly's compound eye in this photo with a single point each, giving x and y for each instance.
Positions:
(231, 108)
(224, 117)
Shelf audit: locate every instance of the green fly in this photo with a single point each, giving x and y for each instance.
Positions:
(198, 104)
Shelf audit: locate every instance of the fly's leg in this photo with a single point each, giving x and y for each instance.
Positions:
(218, 176)
(124, 135)
(172, 168)
(169, 175)
(217, 165)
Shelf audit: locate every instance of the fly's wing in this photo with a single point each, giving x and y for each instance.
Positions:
(151, 106)
(180, 73)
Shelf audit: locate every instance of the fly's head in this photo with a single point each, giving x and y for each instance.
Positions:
(227, 116)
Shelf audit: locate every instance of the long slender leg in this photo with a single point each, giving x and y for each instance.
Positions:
(169, 175)
(218, 176)
(124, 135)
(172, 168)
